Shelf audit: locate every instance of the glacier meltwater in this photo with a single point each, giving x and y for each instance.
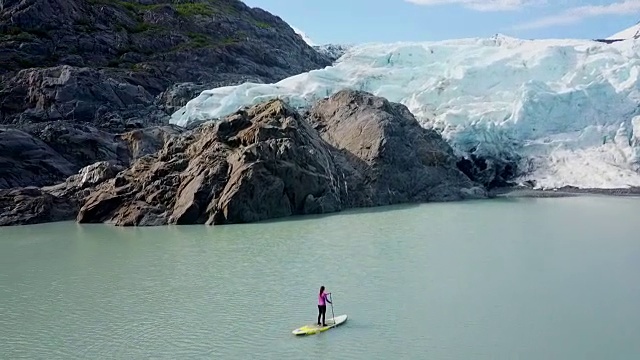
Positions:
(566, 111)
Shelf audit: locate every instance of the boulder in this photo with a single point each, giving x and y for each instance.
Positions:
(391, 159)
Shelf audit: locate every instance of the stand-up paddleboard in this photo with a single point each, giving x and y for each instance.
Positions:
(314, 328)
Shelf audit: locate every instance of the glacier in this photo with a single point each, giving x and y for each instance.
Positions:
(565, 111)
(632, 32)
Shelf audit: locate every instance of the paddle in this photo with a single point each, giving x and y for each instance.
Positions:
(332, 314)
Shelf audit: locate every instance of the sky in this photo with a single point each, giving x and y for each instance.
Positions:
(360, 21)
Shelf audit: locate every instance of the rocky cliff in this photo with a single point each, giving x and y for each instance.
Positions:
(118, 64)
(268, 161)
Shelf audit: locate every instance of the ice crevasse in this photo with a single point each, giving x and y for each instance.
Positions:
(565, 111)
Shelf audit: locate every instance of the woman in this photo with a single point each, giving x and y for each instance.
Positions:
(322, 306)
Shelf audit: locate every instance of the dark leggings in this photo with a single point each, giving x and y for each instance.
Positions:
(322, 310)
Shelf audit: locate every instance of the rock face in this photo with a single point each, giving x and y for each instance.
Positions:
(31, 205)
(120, 64)
(390, 158)
(23, 206)
(268, 161)
(27, 161)
(47, 153)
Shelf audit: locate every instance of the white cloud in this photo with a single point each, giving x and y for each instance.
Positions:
(483, 5)
(579, 13)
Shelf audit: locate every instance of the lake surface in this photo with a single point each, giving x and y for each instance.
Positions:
(497, 279)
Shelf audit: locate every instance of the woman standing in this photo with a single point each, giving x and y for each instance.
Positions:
(322, 305)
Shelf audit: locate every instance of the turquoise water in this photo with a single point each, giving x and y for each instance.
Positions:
(497, 279)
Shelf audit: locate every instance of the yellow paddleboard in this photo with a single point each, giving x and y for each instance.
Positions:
(314, 328)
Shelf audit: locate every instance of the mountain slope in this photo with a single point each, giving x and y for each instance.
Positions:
(122, 62)
(557, 112)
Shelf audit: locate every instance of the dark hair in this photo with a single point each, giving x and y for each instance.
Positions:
(321, 289)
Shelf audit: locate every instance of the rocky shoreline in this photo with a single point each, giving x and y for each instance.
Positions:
(527, 192)
(351, 150)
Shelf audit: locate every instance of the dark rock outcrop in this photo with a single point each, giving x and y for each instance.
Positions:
(31, 205)
(491, 173)
(28, 161)
(268, 161)
(44, 154)
(79, 143)
(119, 63)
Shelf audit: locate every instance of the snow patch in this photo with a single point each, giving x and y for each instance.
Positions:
(304, 36)
(629, 33)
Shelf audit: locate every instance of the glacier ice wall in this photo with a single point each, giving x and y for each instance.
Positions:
(565, 110)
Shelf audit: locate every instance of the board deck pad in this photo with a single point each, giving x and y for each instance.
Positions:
(311, 329)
